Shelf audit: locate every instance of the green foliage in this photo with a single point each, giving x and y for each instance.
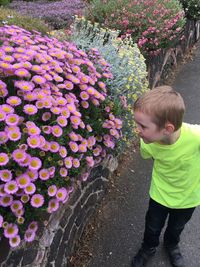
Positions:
(153, 24)
(127, 66)
(4, 2)
(192, 8)
(10, 17)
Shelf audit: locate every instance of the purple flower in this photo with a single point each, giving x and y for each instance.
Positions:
(29, 236)
(37, 200)
(11, 230)
(14, 241)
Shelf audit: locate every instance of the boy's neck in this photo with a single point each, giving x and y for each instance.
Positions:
(172, 138)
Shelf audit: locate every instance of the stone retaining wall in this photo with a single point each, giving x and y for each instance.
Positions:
(160, 66)
(57, 240)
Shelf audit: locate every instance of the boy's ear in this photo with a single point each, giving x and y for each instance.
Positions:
(169, 127)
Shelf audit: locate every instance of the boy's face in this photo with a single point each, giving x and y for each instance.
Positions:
(147, 129)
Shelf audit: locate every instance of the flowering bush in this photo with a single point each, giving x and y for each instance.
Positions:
(153, 24)
(11, 17)
(58, 14)
(192, 8)
(128, 69)
(53, 125)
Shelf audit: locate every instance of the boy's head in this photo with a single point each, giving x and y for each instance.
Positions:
(163, 107)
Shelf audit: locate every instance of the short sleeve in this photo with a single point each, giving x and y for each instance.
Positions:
(144, 151)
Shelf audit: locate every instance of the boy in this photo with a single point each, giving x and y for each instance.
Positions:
(175, 187)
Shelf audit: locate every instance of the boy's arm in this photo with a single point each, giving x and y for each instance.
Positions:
(144, 151)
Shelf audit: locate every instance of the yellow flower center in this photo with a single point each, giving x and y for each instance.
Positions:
(2, 159)
(22, 181)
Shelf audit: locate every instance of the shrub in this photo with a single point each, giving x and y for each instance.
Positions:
(153, 24)
(53, 129)
(4, 2)
(192, 8)
(128, 69)
(10, 17)
(58, 14)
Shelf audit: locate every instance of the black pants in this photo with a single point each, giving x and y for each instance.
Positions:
(155, 219)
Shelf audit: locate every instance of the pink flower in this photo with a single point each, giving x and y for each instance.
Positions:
(30, 189)
(30, 109)
(19, 155)
(33, 141)
(22, 73)
(38, 79)
(85, 104)
(44, 174)
(3, 92)
(84, 176)
(14, 241)
(29, 236)
(25, 198)
(53, 205)
(61, 194)
(3, 159)
(54, 147)
(73, 146)
(75, 120)
(2, 192)
(12, 119)
(11, 230)
(76, 163)
(63, 151)
(63, 172)
(33, 129)
(24, 86)
(6, 200)
(91, 141)
(5, 108)
(62, 121)
(73, 136)
(14, 134)
(3, 137)
(23, 180)
(52, 190)
(65, 112)
(84, 95)
(16, 205)
(56, 130)
(2, 115)
(35, 163)
(82, 148)
(33, 226)
(68, 162)
(46, 116)
(33, 175)
(5, 175)
(1, 220)
(37, 200)
(11, 187)
(90, 161)
(46, 129)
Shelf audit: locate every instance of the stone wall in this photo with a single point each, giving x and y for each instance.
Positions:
(57, 240)
(160, 66)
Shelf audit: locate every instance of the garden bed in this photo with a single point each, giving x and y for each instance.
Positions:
(58, 14)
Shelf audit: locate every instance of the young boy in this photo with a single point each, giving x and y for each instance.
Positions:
(175, 187)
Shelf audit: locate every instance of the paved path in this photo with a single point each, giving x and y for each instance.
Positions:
(122, 217)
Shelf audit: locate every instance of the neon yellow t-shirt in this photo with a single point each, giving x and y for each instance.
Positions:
(176, 171)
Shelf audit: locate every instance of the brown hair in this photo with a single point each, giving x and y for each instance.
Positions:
(164, 105)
